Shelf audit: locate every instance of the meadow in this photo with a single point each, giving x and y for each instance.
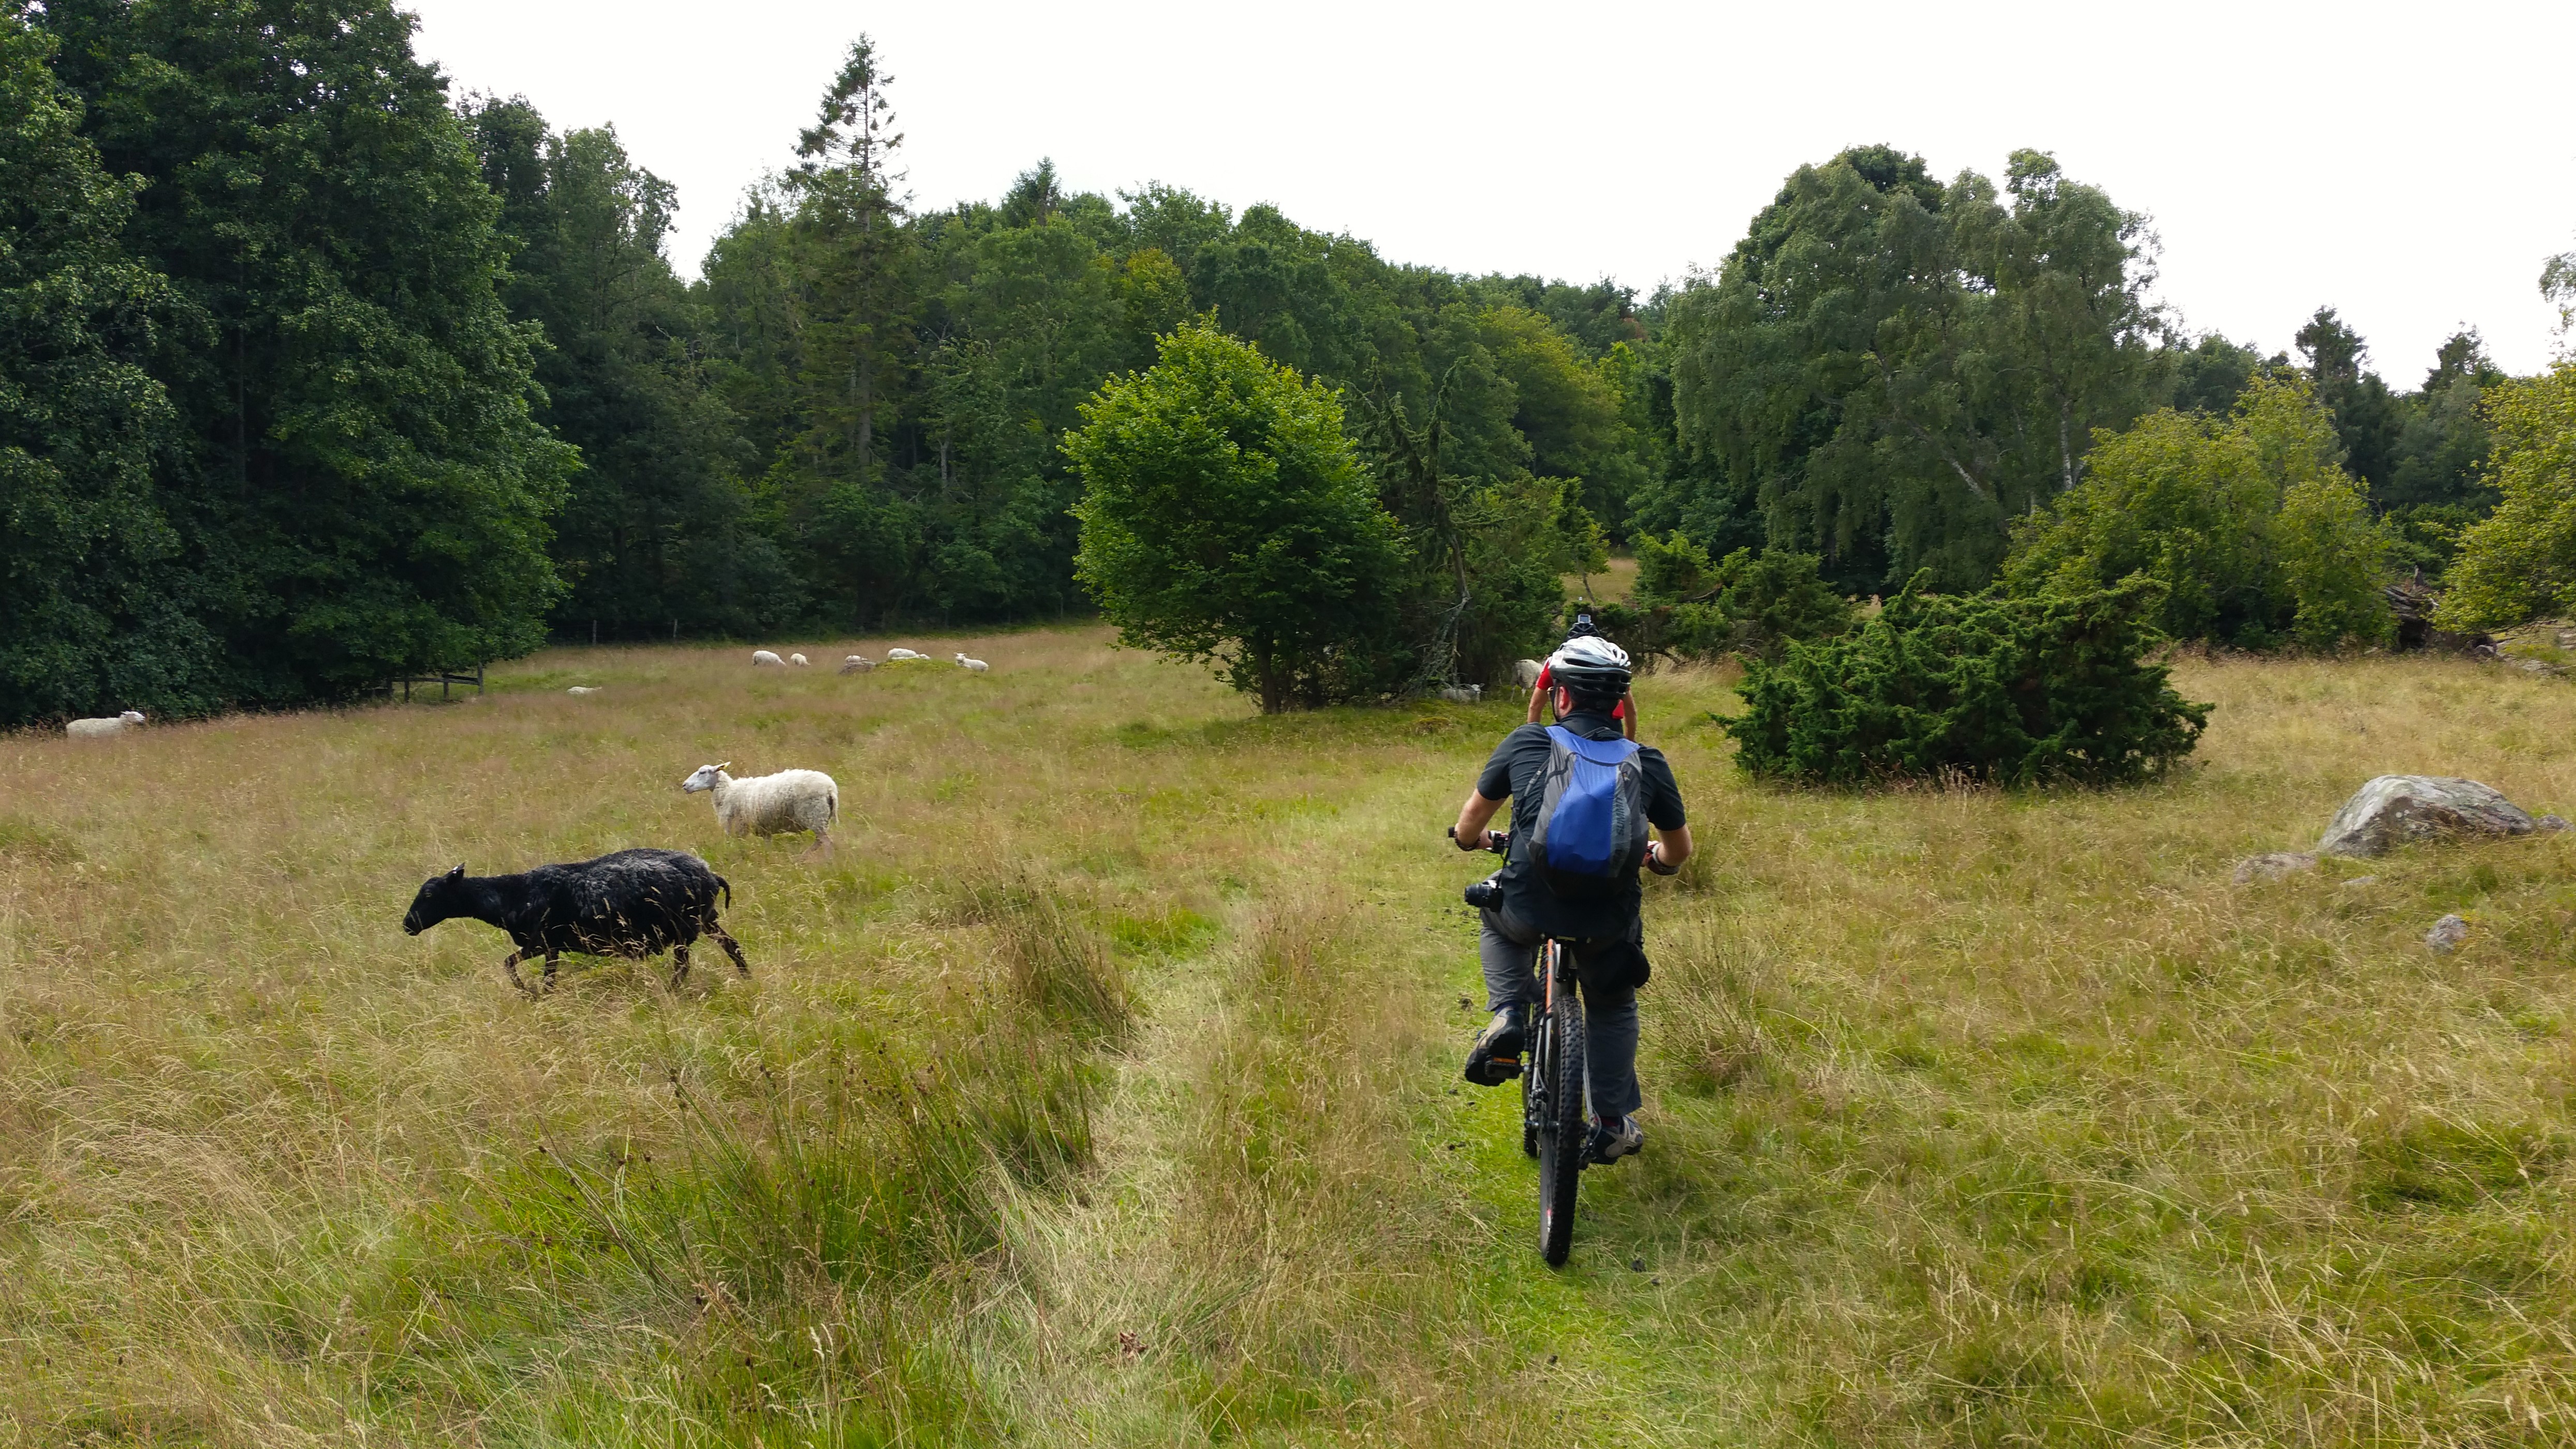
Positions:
(1102, 1087)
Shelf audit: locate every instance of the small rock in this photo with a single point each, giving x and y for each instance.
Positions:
(2395, 810)
(2273, 866)
(2359, 880)
(2550, 822)
(2447, 934)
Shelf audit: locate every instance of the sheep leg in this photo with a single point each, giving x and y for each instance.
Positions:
(550, 970)
(730, 948)
(510, 967)
(679, 966)
(822, 845)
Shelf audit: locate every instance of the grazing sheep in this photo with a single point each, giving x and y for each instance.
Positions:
(762, 658)
(1525, 673)
(635, 903)
(857, 664)
(99, 729)
(779, 804)
(583, 689)
(973, 666)
(1464, 694)
(796, 659)
(894, 654)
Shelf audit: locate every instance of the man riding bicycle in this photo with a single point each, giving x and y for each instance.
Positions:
(1587, 682)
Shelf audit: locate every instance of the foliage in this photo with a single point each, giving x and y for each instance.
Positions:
(1890, 369)
(655, 536)
(93, 600)
(2247, 524)
(1225, 516)
(2017, 691)
(1748, 603)
(2520, 562)
(359, 489)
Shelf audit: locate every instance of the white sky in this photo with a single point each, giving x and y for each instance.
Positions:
(2411, 165)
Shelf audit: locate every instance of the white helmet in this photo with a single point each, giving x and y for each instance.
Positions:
(1590, 664)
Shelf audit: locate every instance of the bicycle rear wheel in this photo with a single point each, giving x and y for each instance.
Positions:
(1563, 1132)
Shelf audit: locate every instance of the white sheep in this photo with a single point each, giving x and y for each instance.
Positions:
(857, 664)
(894, 654)
(796, 659)
(1464, 693)
(583, 689)
(99, 729)
(761, 658)
(780, 804)
(1525, 673)
(973, 666)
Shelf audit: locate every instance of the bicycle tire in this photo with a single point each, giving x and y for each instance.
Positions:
(1563, 1138)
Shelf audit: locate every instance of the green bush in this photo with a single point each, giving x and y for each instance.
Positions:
(1749, 604)
(2016, 691)
(2520, 563)
(2249, 522)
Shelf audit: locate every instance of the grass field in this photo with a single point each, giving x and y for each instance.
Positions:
(1102, 1088)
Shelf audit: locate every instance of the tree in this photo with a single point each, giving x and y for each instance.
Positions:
(1226, 517)
(2365, 412)
(93, 605)
(2520, 562)
(360, 490)
(655, 534)
(2247, 524)
(1894, 368)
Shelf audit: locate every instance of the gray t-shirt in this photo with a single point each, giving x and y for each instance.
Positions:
(1518, 769)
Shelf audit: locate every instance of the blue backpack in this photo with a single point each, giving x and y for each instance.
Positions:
(1590, 837)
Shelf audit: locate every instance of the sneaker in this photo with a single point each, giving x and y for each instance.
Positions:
(1614, 1138)
(1496, 1056)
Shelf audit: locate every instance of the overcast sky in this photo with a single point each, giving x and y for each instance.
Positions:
(2411, 165)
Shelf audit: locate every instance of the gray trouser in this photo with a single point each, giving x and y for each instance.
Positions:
(1509, 951)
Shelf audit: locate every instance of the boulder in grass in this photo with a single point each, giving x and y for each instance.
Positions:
(2396, 810)
(2273, 866)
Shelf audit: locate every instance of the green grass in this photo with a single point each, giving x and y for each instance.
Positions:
(1101, 1089)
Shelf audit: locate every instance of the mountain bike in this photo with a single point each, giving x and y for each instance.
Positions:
(1556, 1087)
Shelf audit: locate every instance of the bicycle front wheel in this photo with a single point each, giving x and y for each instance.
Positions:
(1562, 1136)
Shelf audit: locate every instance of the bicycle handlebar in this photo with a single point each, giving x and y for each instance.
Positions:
(1497, 841)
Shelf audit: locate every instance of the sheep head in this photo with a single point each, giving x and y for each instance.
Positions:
(704, 777)
(132, 717)
(436, 902)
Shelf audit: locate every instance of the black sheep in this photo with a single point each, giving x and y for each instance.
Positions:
(635, 903)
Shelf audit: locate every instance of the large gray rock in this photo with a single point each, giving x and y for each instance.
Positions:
(2396, 810)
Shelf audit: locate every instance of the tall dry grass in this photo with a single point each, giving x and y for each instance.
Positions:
(1102, 1088)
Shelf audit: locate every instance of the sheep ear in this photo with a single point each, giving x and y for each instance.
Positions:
(727, 765)
(458, 873)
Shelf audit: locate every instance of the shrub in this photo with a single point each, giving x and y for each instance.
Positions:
(1749, 604)
(2520, 562)
(2248, 522)
(2016, 691)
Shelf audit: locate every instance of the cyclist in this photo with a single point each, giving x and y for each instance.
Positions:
(1588, 680)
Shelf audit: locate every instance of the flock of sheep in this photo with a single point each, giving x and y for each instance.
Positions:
(860, 663)
(633, 903)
